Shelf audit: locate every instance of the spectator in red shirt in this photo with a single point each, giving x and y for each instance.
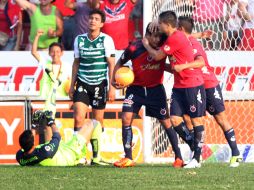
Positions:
(11, 25)
(117, 16)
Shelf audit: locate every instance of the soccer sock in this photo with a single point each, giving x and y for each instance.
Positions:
(185, 134)
(76, 129)
(171, 133)
(198, 141)
(230, 136)
(96, 139)
(127, 136)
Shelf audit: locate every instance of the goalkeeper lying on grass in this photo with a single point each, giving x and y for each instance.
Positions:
(56, 152)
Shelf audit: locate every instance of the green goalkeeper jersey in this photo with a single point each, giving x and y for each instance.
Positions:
(55, 152)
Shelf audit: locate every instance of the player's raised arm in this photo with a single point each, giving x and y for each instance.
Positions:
(156, 54)
(34, 50)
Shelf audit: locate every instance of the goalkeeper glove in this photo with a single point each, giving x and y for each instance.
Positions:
(36, 117)
(49, 118)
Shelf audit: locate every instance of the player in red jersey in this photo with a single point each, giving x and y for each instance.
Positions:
(214, 99)
(188, 94)
(147, 89)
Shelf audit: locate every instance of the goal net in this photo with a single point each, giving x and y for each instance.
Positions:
(233, 67)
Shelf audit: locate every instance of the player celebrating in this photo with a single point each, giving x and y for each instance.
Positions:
(55, 152)
(214, 100)
(52, 82)
(188, 94)
(147, 90)
(94, 58)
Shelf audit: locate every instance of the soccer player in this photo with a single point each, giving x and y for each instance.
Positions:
(214, 100)
(55, 73)
(94, 61)
(55, 152)
(188, 93)
(148, 90)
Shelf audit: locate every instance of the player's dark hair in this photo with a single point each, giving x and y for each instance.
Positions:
(148, 30)
(168, 17)
(99, 12)
(187, 23)
(56, 44)
(26, 140)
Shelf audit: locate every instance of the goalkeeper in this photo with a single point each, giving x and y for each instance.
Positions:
(56, 152)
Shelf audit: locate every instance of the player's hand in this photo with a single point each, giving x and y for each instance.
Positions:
(178, 68)
(36, 117)
(49, 117)
(71, 92)
(117, 85)
(145, 42)
(207, 34)
(111, 94)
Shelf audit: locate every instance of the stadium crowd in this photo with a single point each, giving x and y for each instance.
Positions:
(232, 21)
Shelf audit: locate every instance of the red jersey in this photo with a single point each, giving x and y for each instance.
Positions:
(147, 71)
(65, 11)
(179, 47)
(209, 77)
(117, 18)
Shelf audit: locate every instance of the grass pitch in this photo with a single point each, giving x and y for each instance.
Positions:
(210, 176)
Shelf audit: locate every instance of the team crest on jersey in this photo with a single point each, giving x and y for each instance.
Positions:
(166, 48)
(149, 58)
(163, 111)
(193, 108)
(47, 148)
(99, 45)
(80, 89)
(211, 109)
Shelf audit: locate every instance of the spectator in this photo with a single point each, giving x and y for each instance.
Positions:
(11, 25)
(68, 24)
(117, 16)
(81, 17)
(233, 23)
(246, 8)
(208, 15)
(46, 17)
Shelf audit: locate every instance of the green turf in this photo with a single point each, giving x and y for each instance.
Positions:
(210, 176)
